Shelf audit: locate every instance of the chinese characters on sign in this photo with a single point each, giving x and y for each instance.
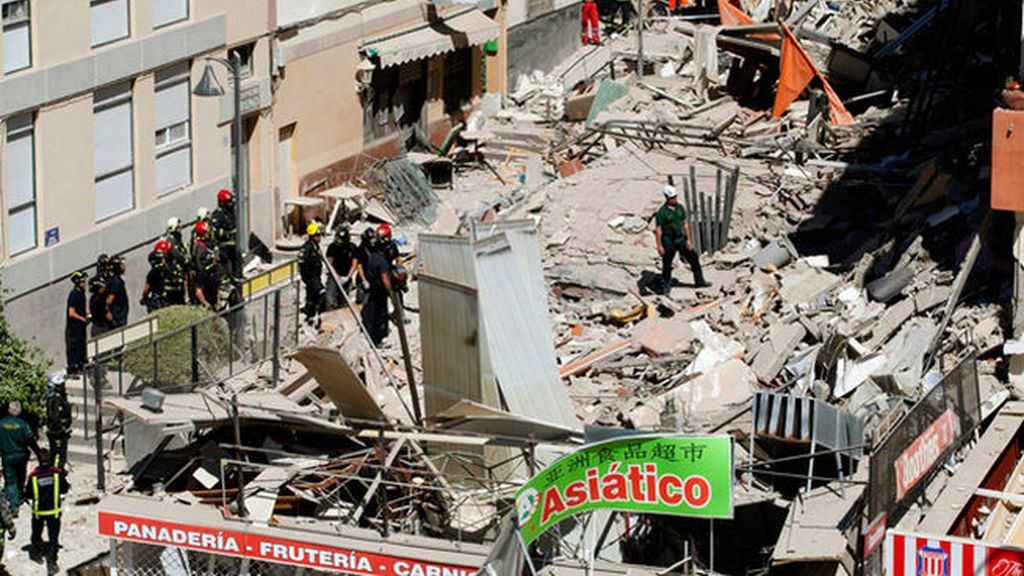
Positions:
(683, 476)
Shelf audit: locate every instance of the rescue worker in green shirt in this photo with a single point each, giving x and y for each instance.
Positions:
(16, 439)
(672, 235)
(46, 487)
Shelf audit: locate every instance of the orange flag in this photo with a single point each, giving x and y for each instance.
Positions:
(795, 72)
(731, 15)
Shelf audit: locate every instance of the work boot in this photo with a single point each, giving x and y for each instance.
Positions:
(35, 555)
(702, 283)
(51, 567)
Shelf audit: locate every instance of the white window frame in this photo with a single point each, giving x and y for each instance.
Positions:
(167, 142)
(188, 12)
(13, 23)
(127, 23)
(121, 94)
(26, 130)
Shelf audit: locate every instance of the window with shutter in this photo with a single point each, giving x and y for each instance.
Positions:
(109, 20)
(112, 148)
(20, 184)
(173, 129)
(17, 35)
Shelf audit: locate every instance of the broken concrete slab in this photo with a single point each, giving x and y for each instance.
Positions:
(664, 336)
(807, 285)
(931, 297)
(892, 319)
(782, 342)
(341, 384)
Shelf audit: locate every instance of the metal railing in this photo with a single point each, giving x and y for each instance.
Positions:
(202, 353)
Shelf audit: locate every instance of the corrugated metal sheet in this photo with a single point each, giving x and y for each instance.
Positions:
(446, 257)
(449, 331)
(519, 338)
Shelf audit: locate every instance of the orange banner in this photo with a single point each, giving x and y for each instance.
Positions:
(795, 72)
(731, 15)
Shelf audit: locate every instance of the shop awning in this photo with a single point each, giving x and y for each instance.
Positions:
(425, 40)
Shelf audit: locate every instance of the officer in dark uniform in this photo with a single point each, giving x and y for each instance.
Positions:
(367, 241)
(117, 294)
(46, 487)
(58, 419)
(153, 289)
(375, 310)
(205, 270)
(16, 439)
(98, 296)
(311, 270)
(77, 320)
(224, 233)
(341, 255)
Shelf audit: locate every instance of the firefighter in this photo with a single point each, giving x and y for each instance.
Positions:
(16, 439)
(98, 297)
(75, 324)
(375, 310)
(202, 215)
(224, 232)
(117, 293)
(341, 254)
(46, 487)
(58, 419)
(177, 264)
(206, 288)
(155, 288)
(311, 271)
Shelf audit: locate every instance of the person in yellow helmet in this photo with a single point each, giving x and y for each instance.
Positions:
(311, 270)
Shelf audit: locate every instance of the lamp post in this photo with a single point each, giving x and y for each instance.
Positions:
(209, 86)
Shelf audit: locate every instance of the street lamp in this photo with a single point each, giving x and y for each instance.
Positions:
(209, 86)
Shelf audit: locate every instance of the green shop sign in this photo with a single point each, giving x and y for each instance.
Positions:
(677, 475)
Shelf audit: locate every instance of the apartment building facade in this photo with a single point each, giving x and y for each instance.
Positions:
(103, 139)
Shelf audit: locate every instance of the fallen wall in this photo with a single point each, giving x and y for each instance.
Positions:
(560, 30)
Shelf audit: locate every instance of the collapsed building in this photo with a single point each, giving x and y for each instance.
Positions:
(853, 344)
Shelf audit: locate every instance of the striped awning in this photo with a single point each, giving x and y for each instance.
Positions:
(466, 29)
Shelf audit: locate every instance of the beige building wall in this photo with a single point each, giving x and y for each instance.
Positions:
(319, 96)
(63, 190)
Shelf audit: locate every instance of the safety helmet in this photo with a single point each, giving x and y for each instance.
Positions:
(202, 213)
(312, 229)
(162, 246)
(384, 232)
(57, 380)
(342, 234)
(79, 276)
(369, 235)
(202, 228)
(157, 258)
(173, 224)
(102, 261)
(669, 191)
(224, 196)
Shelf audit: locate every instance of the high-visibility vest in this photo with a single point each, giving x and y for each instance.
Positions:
(40, 485)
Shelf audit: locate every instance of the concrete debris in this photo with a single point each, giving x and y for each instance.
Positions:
(847, 276)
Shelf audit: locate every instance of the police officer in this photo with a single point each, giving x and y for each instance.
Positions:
(311, 270)
(75, 325)
(98, 296)
(46, 487)
(117, 294)
(342, 257)
(206, 288)
(224, 233)
(16, 439)
(367, 241)
(58, 419)
(375, 310)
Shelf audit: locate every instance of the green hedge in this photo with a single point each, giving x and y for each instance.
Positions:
(174, 354)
